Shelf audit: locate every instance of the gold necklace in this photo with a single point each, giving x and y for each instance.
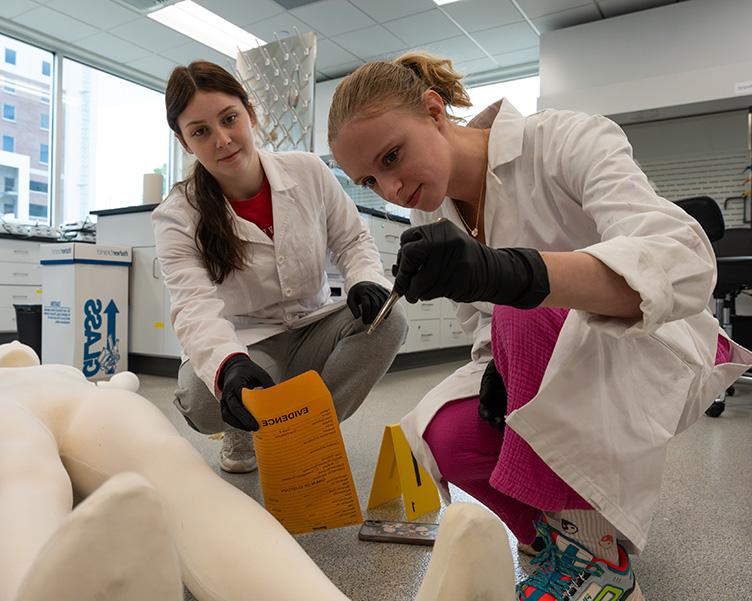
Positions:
(474, 232)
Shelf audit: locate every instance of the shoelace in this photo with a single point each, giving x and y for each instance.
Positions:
(554, 564)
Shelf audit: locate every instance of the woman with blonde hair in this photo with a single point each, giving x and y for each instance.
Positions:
(603, 347)
(243, 245)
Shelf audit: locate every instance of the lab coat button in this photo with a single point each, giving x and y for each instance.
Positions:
(281, 260)
(288, 291)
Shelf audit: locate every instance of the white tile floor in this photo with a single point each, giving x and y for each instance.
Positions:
(699, 547)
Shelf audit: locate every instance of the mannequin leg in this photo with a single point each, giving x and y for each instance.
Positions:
(35, 492)
(115, 431)
(471, 559)
(115, 546)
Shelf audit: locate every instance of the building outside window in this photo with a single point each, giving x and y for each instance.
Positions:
(46, 68)
(9, 89)
(26, 143)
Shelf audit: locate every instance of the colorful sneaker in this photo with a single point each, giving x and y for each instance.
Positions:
(237, 455)
(567, 571)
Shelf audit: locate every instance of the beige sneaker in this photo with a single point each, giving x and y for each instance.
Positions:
(237, 455)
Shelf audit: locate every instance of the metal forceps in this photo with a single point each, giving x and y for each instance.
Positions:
(392, 298)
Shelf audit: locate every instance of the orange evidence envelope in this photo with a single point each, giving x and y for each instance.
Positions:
(303, 468)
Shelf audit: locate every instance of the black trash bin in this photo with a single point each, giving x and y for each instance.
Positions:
(29, 326)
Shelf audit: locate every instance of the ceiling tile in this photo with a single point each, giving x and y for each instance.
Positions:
(332, 17)
(518, 57)
(369, 41)
(388, 10)
(13, 8)
(150, 34)
(329, 54)
(430, 26)
(282, 24)
(614, 8)
(567, 18)
(482, 14)
(538, 8)
(193, 51)
(242, 12)
(55, 24)
(507, 38)
(154, 65)
(458, 49)
(112, 47)
(477, 65)
(99, 13)
(341, 70)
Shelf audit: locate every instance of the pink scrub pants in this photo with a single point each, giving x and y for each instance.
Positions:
(499, 468)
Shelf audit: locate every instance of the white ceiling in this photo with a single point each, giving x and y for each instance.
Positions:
(478, 35)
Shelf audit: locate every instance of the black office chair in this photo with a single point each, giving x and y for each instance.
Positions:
(733, 251)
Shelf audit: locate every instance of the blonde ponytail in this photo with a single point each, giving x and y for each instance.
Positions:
(378, 86)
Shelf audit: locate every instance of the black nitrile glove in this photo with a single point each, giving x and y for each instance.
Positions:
(237, 373)
(493, 397)
(439, 259)
(365, 300)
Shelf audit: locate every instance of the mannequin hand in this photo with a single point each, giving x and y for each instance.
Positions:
(365, 299)
(493, 397)
(439, 259)
(237, 373)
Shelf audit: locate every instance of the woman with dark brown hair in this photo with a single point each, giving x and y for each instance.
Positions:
(243, 244)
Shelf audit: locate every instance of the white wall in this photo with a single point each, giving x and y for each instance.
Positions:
(696, 52)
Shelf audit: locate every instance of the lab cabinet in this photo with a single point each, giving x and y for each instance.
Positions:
(20, 281)
(150, 328)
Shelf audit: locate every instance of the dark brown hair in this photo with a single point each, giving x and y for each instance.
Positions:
(216, 239)
(378, 86)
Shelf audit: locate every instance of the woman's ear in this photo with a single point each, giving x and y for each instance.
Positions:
(434, 106)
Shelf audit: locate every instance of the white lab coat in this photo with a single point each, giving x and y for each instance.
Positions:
(285, 285)
(615, 391)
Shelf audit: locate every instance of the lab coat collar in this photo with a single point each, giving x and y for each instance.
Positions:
(279, 179)
(507, 131)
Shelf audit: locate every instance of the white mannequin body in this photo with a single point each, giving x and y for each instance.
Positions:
(58, 432)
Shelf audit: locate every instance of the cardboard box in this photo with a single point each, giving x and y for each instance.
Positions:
(85, 307)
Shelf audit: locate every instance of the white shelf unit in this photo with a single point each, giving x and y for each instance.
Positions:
(20, 282)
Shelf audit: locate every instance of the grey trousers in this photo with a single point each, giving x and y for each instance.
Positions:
(337, 347)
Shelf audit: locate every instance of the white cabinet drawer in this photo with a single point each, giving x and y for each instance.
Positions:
(423, 335)
(19, 251)
(424, 309)
(7, 319)
(448, 309)
(386, 234)
(20, 295)
(452, 334)
(19, 274)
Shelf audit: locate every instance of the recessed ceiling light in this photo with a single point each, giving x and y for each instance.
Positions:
(204, 26)
(442, 2)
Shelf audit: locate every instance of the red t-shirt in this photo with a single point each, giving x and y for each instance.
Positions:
(257, 209)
